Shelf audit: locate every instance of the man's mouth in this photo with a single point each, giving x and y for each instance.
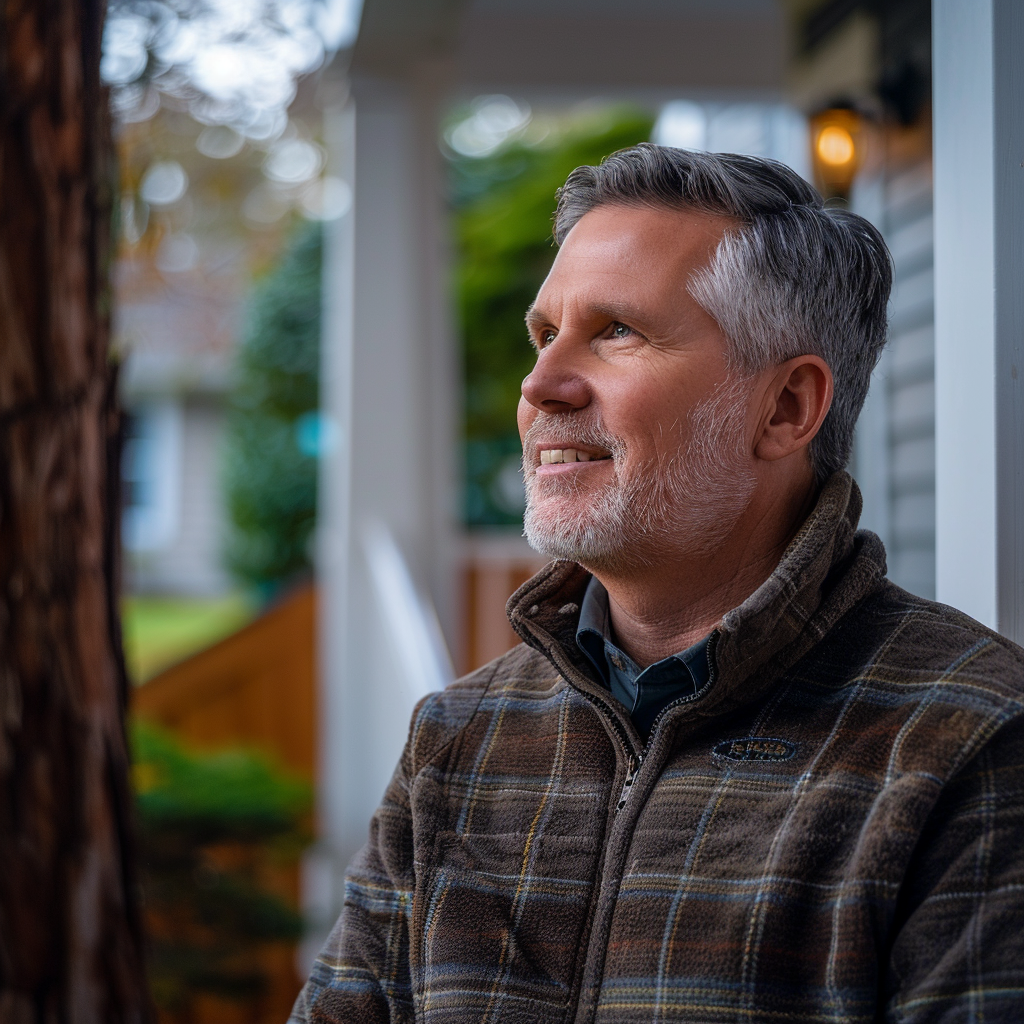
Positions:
(549, 456)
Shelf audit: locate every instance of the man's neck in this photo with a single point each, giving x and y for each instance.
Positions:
(665, 607)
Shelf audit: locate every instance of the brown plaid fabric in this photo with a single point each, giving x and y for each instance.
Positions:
(832, 831)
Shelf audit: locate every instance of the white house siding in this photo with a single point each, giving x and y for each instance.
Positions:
(895, 458)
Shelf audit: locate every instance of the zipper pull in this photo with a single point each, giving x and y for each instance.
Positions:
(634, 767)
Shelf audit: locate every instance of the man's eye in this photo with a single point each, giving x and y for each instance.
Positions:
(621, 331)
(546, 337)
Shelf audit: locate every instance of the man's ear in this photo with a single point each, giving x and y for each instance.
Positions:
(795, 403)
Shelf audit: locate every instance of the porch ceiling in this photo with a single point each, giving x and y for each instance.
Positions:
(579, 47)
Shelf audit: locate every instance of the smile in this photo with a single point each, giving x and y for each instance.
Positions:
(554, 455)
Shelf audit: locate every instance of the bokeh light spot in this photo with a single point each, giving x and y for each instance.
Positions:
(835, 146)
(164, 183)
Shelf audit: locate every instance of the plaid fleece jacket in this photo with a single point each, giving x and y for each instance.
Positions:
(832, 830)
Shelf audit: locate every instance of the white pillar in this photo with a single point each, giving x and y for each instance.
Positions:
(978, 99)
(388, 491)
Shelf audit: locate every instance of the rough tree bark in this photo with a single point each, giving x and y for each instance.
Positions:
(70, 938)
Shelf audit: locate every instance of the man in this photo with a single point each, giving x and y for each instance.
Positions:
(732, 773)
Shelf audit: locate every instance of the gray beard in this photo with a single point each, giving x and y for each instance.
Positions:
(687, 506)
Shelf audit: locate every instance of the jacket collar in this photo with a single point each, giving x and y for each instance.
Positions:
(828, 567)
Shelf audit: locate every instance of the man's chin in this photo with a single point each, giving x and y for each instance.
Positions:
(593, 537)
(589, 554)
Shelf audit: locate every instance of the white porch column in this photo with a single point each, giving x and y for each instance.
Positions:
(979, 308)
(388, 490)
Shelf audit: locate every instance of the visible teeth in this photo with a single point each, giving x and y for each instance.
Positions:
(550, 455)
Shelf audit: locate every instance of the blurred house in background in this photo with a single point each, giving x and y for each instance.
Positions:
(177, 327)
(204, 210)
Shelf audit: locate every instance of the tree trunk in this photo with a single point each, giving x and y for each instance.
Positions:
(70, 938)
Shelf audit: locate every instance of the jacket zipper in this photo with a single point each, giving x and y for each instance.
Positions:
(634, 757)
(627, 785)
(633, 762)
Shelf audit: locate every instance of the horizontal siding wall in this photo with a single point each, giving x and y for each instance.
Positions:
(895, 452)
(908, 230)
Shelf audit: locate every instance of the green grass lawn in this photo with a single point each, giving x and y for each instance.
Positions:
(159, 631)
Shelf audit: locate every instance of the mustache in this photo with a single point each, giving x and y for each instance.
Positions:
(569, 429)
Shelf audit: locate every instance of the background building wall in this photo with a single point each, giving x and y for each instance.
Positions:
(181, 554)
(876, 57)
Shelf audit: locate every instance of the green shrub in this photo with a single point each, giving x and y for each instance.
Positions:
(213, 828)
(270, 466)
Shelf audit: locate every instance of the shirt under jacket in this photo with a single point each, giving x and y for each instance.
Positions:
(644, 693)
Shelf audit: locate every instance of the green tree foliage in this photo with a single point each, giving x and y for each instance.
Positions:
(270, 467)
(212, 828)
(504, 205)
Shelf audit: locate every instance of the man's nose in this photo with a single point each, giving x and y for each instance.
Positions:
(554, 384)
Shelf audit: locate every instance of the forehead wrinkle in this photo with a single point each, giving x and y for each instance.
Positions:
(589, 299)
(635, 314)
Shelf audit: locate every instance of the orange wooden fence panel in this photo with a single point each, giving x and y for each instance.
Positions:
(256, 689)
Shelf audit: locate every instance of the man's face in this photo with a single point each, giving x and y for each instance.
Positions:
(632, 381)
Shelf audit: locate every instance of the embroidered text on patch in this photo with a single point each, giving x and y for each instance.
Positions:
(756, 748)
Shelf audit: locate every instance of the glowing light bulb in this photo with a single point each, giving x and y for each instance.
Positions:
(835, 146)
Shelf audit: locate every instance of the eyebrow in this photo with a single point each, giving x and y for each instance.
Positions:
(534, 317)
(615, 311)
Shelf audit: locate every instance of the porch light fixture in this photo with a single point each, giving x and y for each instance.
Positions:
(836, 149)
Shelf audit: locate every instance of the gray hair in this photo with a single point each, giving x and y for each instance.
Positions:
(794, 278)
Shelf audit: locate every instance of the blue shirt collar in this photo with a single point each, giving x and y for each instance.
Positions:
(644, 692)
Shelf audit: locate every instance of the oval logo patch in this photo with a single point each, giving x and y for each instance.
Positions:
(756, 748)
